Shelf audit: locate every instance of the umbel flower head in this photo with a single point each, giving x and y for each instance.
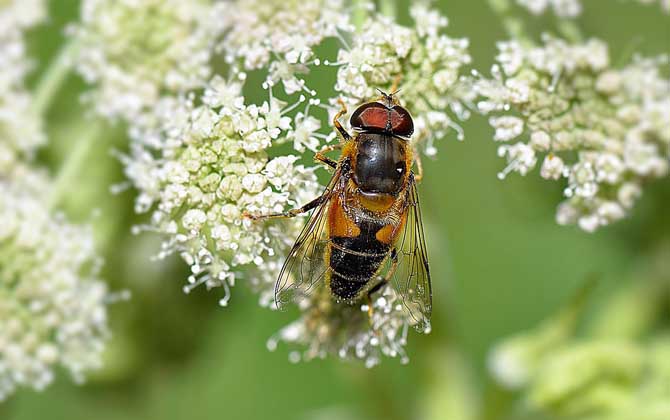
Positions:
(201, 157)
(604, 131)
(213, 166)
(425, 62)
(52, 303)
(135, 51)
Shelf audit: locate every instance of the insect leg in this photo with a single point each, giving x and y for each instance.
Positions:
(289, 213)
(419, 167)
(384, 281)
(396, 83)
(321, 157)
(336, 120)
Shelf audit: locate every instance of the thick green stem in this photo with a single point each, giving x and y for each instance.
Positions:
(53, 77)
(512, 24)
(87, 139)
(360, 13)
(388, 8)
(570, 31)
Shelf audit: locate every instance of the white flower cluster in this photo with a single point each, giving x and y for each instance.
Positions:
(20, 130)
(422, 61)
(281, 36)
(604, 130)
(52, 304)
(329, 328)
(212, 165)
(17, 16)
(134, 51)
(571, 8)
(202, 155)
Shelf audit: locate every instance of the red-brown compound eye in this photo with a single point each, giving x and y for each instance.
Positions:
(401, 122)
(372, 116)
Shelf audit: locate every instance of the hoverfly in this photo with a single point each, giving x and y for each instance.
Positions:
(366, 228)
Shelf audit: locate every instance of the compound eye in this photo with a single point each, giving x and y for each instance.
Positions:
(401, 122)
(372, 116)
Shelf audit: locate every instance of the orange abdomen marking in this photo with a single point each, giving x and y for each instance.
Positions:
(389, 233)
(339, 224)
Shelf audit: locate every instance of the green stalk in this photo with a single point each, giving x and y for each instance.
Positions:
(53, 78)
(360, 13)
(388, 8)
(77, 158)
(569, 30)
(513, 25)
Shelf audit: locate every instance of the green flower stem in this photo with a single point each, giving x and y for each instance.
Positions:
(53, 78)
(570, 31)
(388, 8)
(86, 139)
(513, 25)
(360, 13)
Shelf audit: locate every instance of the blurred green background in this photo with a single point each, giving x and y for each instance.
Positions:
(500, 265)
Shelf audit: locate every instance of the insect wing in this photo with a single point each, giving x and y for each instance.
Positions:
(411, 278)
(306, 266)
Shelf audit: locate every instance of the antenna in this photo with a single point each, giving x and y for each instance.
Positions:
(387, 97)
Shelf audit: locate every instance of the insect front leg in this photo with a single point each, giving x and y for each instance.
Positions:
(336, 120)
(289, 213)
(320, 156)
(396, 84)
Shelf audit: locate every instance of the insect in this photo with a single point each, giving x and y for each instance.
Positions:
(365, 230)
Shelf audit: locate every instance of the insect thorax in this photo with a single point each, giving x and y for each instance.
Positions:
(380, 163)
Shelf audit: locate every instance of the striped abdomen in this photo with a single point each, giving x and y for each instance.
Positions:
(354, 260)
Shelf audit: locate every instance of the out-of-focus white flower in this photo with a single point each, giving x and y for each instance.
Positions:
(20, 130)
(605, 130)
(562, 8)
(135, 51)
(52, 303)
(572, 8)
(210, 167)
(426, 64)
(21, 14)
(330, 328)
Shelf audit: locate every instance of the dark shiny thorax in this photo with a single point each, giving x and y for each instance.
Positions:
(380, 163)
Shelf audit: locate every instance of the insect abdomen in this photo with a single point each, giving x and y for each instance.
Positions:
(354, 261)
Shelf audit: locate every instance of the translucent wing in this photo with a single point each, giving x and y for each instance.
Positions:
(411, 278)
(305, 267)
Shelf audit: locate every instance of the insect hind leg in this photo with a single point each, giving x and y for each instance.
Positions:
(383, 282)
